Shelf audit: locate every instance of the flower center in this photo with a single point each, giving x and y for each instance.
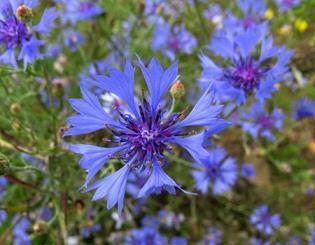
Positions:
(174, 44)
(24, 13)
(245, 75)
(288, 3)
(214, 170)
(85, 6)
(147, 135)
(265, 121)
(248, 21)
(12, 31)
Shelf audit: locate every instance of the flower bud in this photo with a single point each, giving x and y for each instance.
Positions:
(16, 125)
(160, 8)
(39, 226)
(15, 108)
(178, 90)
(141, 5)
(285, 30)
(311, 147)
(24, 13)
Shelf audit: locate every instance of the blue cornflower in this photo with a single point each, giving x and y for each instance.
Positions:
(257, 241)
(170, 219)
(172, 40)
(78, 10)
(20, 231)
(145, 236)
(252, 11)
(248, 171)
(73, 39)
(244, 73)
(46, 213)
(264, 221)
(3, 216)
(87, 231)
(257, 122)
(212, 237)
(217, 170)
(152, 6)
(285, 5)
(312, 240)
(17, 32)
(142, 135)
(178, 240)
(3, 185)
(304, 108)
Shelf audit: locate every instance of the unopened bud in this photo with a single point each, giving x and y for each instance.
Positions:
(160, 8)
(178, 90)
(24, 13)
(141, 5)
(15, 108)
(79, 206)
(311, 147)
(39, 226)
(16, 125)
(285, 30)
(4, 165)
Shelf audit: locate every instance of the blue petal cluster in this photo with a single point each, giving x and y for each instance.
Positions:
(243, 74)
(143, 133)
(17, 34)
(263, 221)
(257, 122)
(217, 170)
(172, 40)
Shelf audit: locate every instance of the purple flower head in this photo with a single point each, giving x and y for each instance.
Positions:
(172, 40)
(46, 213)
(3, 216)
(309, 191)
(73, 39)
(257, 241)
(177, 240)
(20, 231)
(212, 237)
(32, 160)
(3, 185)
(170, 219)
(257, 122)
(145, 236)
(263, 221)
(312, 231)
(150, 221)
(87, 231)
(18, 33)
(217, 170)
(74, 11)
(285, 5)
(248, 171)
(252, 14)
(152, 6)
(304, 108)
(143, 133)
(244, 74)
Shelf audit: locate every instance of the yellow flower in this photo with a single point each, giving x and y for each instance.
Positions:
(301, 25)
(269, 14)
